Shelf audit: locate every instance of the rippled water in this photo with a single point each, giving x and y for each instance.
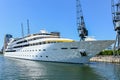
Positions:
(17, 69)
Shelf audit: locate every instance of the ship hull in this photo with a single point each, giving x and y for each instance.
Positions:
(70, 52)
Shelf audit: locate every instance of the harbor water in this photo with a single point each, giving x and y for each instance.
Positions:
(17, 69)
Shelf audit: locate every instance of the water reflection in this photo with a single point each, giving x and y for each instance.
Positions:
(12, 69)
(108, 71)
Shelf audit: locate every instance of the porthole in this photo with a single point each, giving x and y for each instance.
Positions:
(44, 49)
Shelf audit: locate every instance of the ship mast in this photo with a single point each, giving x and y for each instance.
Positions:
(22, 30)
(82, 31)
(28, 26)
(116, 23)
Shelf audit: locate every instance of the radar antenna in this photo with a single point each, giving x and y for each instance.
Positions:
(82, 31)
(116, 23)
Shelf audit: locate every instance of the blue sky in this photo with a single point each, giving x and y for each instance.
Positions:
(55, 15)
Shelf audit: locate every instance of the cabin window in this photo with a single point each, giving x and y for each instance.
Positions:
(48, 42)
(73, 48)
(21, 42)
(40, 43)
(44, 42)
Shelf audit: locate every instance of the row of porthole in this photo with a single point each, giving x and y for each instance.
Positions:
(32, 50)
(39, 50)
(64, 48)
(30, 56)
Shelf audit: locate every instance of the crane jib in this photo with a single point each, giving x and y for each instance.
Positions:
(83, 32)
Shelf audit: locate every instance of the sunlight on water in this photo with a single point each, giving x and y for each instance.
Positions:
(15, 69)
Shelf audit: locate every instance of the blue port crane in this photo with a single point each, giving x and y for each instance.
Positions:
(82, 31)
(116, 23)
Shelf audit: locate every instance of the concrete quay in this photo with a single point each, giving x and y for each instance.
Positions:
(112, 59)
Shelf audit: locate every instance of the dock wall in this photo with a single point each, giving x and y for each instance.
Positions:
(113, 59)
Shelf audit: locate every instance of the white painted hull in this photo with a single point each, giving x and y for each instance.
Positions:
(61, 52)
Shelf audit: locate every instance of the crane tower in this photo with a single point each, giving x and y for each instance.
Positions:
(116, 22)
(82, 31)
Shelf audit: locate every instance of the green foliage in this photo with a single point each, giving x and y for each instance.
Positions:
(108, 52)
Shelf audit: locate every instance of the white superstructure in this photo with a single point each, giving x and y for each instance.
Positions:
(46, 46)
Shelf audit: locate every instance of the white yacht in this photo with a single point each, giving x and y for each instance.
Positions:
(51, 47)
